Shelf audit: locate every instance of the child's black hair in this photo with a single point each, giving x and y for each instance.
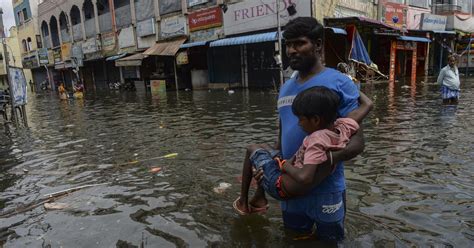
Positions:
(317, 101)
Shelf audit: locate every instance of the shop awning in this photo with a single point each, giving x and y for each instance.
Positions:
(115, 57)
(338, 30)
(413, 38)
(248, 39)
(364, 21)
(444, 32)
(165, 48)
(193, 44)
(133, 60)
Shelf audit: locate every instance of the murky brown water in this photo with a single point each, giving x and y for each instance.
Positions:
(412, 186)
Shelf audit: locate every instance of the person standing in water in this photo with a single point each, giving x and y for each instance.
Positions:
(449, 80)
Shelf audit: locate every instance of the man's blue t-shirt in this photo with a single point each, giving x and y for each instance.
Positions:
(292, 134)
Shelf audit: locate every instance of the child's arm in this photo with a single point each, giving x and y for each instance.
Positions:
(299, 181)
(361, 112)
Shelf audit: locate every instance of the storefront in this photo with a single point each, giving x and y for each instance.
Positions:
(161, 57)
(93, 71)
(192, 60)
(443, 41)
(246, 58)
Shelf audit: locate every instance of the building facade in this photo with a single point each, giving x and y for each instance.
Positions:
(14, 56)
(28, 34)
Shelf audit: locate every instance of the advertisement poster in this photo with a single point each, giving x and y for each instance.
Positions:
(43, 56)
(173, 26)
(158, 87)
(395, 14)
(253, 15)
(205, 19)
(18, 91)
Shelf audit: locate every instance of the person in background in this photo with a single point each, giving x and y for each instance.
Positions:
(32, 86)
(344, 69)
(449, 80)
(62, 92)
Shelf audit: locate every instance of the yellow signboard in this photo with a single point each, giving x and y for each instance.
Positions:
(66, 51)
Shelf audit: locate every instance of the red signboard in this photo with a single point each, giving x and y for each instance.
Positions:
(395, 14)
(205, 19)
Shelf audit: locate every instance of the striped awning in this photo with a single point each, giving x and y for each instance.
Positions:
(248, 39)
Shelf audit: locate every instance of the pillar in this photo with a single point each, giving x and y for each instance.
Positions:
(83, 25)
(413, 63)
(69, 26)
(96, 18)
(158, 19)
(59, 31)
(132, 9)
(393, 54)
(50, 35)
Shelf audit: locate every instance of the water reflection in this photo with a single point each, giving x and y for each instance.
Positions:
(412, 185)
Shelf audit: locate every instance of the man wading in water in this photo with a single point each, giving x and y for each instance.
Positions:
(324, 206)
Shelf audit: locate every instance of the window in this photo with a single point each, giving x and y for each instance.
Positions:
(20, 17)
(24, 46)
(29, 44)
(419, 3)
(25, 14)
(38, 41)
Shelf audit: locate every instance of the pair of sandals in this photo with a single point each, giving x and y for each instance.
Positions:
(252, 209)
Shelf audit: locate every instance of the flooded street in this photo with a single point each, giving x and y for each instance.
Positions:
(412, 185)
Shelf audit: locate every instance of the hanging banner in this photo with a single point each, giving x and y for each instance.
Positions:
(90, 46)
(158, 88)
(253, 15)
(18, 84)
(182, 58)
(43, 56)
(108, 41)
(146, 27)
(205, 19)
(57, 55)
(66, 51)
(173, 26)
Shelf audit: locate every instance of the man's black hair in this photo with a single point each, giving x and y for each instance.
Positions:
(317, 101)
(304, 26)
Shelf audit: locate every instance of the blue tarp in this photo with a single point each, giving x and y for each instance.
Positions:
(193, 44)
(358, 51)
(115, 57)
(413, 38)
(338, 30)
(255, 38)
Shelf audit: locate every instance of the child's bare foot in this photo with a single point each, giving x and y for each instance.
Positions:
(258, 205)
(241, 207)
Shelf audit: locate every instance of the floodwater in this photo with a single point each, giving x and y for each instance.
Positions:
(411, 187)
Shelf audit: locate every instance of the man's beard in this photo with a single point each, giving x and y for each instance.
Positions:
(303, 64)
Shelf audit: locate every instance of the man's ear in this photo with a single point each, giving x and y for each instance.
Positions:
(318, 45)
